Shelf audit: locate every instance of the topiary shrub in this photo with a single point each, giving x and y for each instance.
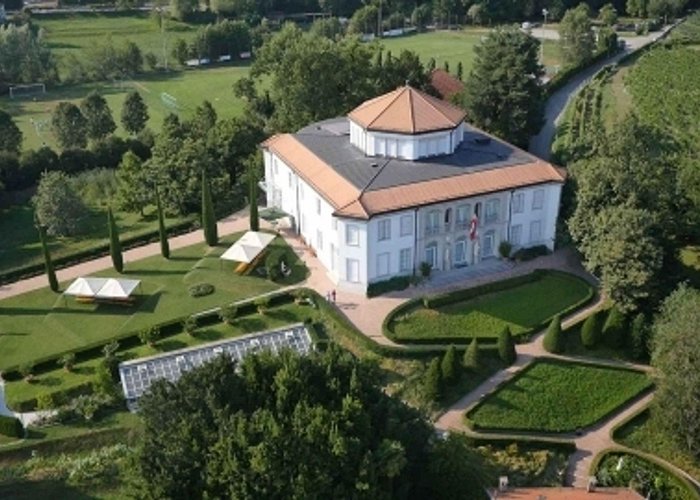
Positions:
(504, 249)
(149, 336)
(27, 372)
(263, 304)
(11, 426)
(472, 356)
(590, 331)
(614, 328)
(200, 289)
(425, 269)
(432, 385)
(506, 347)
(189, 325)
(274, 263)
(639, 338)
(67, 361)
(553, 341)
(228, 314)
(449, 366)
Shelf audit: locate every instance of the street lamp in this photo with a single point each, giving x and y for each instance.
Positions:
(545, 13)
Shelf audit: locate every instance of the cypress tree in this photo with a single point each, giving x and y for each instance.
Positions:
(639, 337)
(449, 366)
(432, 384)
(460, 70)
(208, 219)
(253, 196)
(115, 246)
(50, 272)
(506, 347)
(162, 233)
(471, 359)
(590, 331)
(614, 328)
(553, 341)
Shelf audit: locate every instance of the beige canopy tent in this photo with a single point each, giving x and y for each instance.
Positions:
(91, 289)
(248, 249)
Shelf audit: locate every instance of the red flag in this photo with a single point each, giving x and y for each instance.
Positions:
(472, 227)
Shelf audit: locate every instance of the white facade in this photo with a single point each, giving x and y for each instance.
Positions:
(358, 252)
(407, 147)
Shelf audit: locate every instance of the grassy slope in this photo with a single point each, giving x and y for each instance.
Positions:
(40, 323)
(59, 379)
(557, 397)
(20, 246)
(521, 308)
(642, 433)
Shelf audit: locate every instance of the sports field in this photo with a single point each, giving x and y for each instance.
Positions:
(189, 88)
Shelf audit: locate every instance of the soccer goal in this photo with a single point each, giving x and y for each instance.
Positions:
(29, 89)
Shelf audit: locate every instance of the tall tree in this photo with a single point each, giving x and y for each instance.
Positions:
(48, 263)
(502, 93)
(58, 206)
(211, 235)
(162, 231)
(286, 426)
(134, 183)
(98, 116)
(69, 126)
(675, 348)
(626, 220)
(607, 14)
(449, 366)
(10, 134)
(472, 356)
(115, 246)
(204, 119)
(576, 35)
(134, 113)
(432, 385)
(253, 177)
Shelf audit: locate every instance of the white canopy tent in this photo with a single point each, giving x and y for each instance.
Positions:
(248, 247)
(102, 288)
(85, 287)
(117, 289)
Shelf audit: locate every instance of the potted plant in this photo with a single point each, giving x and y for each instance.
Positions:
(504, 249)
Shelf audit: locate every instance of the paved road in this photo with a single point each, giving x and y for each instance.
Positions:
(541, 143)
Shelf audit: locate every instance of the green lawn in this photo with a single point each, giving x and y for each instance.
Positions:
(19, 245)
(556, 396)
(455, 47)
(61, 380)
(41, 324)
(643, 434)
(190, 88)
(522, 308)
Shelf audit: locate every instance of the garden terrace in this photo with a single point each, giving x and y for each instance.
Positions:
(557, 396)
(524, 304)
(40, 326)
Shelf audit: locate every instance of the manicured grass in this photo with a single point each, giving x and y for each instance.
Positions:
(521, 308)
(78, 33)
(42, 324)
(643, 434)
(19, 245)
(556, 396)
(61, 380)
(190, 88)
(454, 47)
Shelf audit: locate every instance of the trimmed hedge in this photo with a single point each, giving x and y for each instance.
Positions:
(435, 301)
(11, 426)
(97, 251)
(396, 283)
(529, 253)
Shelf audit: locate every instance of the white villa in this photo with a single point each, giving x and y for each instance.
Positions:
(404, 180)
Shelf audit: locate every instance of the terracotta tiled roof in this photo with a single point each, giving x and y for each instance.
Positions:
(445, 84)
(329, 184)
(569, 494)
(350, 201)
(461, 186)
(407, 111)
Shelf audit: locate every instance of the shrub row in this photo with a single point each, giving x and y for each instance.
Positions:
(435, 301)
(530, 253)
(59, 397)
(392, 284)
(564, 76)
(11, 426)
(99, 250)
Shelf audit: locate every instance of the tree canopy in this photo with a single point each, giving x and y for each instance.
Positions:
(291, 426)
(57, 205)
(69, 126)
(576, 35)
(98, 116)
(10, 134)
(503, 94)
(675, 349)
